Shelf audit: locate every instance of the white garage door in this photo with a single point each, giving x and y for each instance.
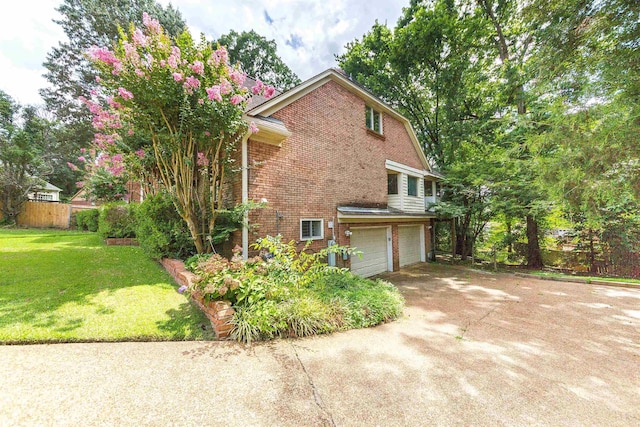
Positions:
(410, 239)
(372, 242)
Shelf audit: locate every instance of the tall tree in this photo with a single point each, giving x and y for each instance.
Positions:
(88, 23)
(25, 137)
(258, 57)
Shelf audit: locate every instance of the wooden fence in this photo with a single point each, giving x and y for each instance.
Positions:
(44, 215)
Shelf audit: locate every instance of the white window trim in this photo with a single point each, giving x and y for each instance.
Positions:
(373, 110)
(312, 237)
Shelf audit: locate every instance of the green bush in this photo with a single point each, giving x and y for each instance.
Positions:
(293, 293)
(87, 219)
(160, 229)
(117, 220)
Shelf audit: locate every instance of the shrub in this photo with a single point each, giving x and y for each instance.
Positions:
(88, 219)
(117, 220)
(291, 293)
(160, 229)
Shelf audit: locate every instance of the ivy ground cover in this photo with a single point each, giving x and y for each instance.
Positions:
(60, 286)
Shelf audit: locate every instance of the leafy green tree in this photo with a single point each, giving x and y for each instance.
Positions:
(258, 57)
(87, 23)
(24, 157)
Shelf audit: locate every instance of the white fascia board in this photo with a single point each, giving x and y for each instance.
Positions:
(399, 167)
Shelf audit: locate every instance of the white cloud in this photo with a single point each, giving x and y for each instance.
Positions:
(322, 28)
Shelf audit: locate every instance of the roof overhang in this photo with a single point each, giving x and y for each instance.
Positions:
(270, 131)
(347, 215)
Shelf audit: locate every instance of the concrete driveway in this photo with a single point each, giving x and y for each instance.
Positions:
(472, 349)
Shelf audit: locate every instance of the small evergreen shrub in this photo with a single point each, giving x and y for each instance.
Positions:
(161, 231)
(117, 220)
(87, 220)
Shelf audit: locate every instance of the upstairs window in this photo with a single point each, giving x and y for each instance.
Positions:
(373, 120)
(428, 188)
(412, 186)
(311, 229)
(392, 183)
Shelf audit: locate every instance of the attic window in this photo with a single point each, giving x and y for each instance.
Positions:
(373, 120)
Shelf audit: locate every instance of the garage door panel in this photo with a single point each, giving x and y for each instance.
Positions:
(372, 242)
(409, 244)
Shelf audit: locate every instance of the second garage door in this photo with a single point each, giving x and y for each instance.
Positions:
(410, 238)
(372, 242)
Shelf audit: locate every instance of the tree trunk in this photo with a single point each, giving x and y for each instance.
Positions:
(534, 257)
(510, 244)
(592, 255)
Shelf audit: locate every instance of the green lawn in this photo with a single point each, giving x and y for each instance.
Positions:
(61, 286)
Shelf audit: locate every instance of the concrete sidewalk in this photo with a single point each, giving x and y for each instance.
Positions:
(472, 349)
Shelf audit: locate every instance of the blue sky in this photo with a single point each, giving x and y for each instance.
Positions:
(308, 32)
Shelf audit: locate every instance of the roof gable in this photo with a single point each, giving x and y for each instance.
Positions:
(280, 101)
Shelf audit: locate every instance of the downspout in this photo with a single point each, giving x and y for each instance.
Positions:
(245, 196)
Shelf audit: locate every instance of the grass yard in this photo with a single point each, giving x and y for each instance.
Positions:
(62, 286)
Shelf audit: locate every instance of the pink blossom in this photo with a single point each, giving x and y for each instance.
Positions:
(258, 87)
(269, 91)
(200, 101)
(236, 99)
(82, 159)
(219, 56)
(139, 39)
(140, 153)
(198, 67)
(202, 159)
(125, 94)
(152, 24)
(207, 133)
(130, 132)
(213, 93)
(192, 82)
(93, 92)
(225, 87)
(83, 150)
(139, 72)
(253, 128)
(98, 79)
(172, 61)
(80, 184)
(163, 63)
(102, 54)
(130, 52)
(177, 77)
(237, 76)
(116, 158)
(113, 103)
(72, 166)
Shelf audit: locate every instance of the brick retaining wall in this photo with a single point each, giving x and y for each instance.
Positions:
(219, 313)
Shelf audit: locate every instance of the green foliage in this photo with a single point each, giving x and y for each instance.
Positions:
(160, 230)
(258, 57)
(25, 156)
(117, 220)
(292, 293)
(88, 219)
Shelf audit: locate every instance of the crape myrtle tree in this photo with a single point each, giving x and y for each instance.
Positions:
(172, 109)
(87, 23)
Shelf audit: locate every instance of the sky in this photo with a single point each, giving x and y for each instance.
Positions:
(308, 32)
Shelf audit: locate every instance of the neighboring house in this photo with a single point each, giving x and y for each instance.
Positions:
(46, 193)
(336, 164)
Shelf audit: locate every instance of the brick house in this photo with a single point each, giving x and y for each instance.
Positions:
(336, 164)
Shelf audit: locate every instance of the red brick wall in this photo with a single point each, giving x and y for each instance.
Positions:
(329, 160)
